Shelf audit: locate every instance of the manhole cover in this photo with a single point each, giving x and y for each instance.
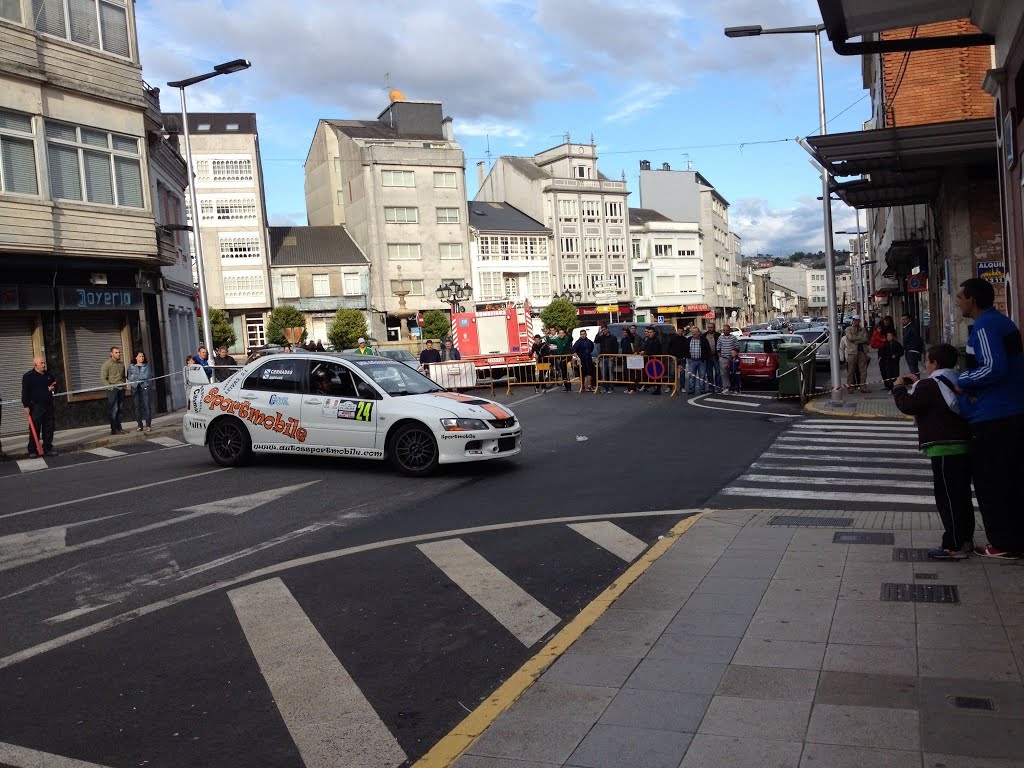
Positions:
(926, 575)
(904, 555)
(974, 702)
(863, 537)
(920, 593)
(819, 522)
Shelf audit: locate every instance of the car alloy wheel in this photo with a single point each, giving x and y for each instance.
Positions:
(229, 443)
(414, 450)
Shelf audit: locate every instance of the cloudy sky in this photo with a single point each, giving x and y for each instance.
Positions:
(650, 80)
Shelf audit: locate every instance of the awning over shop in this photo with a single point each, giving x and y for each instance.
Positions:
(902, 166)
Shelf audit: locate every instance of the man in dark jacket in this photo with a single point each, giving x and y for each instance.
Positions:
(428, 356)
(698, 357)
(583, 349)
(913, 345)
(650, 347)
(223, 364)
(561, 347)
(37, 388)
(627, 346)
(714, 370)
(606, 345)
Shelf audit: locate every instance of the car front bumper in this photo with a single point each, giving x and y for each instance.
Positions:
(460, 447)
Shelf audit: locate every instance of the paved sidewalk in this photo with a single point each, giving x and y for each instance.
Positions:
(81, 438)
(876, 404)
(769, 647)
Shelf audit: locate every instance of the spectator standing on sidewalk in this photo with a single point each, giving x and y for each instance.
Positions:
(992, 400)
(429, 355)
(561, 346)
(450, 351)
(223, 364)
(37, 387)
(112, 374)
(677, 349)
(203, 359)
(539, 353)
(735, 382)
(944, 436)
(913, 345)
(651, 347)
(889, 360)
(606, 345)
(140, 376)
(856, 339)
(627, 346)
(714, 372)
(698, 353)
(726, 344)
(583, 349)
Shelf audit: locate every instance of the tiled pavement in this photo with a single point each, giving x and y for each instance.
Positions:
(752, 645)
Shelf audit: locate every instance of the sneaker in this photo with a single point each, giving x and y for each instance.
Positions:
(139, 429)
(51, 453)
(995, 552)
(947, 554)
(149, 429)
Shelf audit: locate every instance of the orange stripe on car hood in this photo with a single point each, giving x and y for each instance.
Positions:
(495, 411)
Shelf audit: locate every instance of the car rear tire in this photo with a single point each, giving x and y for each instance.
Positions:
(413, 450)
(229, 443)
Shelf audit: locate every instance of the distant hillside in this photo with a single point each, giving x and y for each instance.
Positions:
(812, 260)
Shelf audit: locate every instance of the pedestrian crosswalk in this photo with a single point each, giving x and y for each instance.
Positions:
(30, 465)
(825, 464)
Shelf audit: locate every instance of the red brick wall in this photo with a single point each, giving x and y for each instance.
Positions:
(937, 86)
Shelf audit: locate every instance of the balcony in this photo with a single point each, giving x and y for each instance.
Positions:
(154, 118)
(586, 184)
(167, 251)
(324, 303)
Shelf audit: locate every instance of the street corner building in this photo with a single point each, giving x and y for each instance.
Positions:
(90, 190)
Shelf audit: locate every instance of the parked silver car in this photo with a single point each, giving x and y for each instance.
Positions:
(822, 354)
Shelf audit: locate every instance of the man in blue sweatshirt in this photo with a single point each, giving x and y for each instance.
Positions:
(992, 400)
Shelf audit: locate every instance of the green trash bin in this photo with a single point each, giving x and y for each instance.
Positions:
(793, 382)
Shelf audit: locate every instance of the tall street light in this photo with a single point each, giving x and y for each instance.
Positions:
(227, 68)
(830, 262)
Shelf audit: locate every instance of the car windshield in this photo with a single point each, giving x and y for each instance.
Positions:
(758, 346)
(396, 379)
(397, 354)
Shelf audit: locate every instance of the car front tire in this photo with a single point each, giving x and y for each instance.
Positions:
(229, 443)
(413, 450)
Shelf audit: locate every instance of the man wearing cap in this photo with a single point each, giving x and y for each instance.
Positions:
(856, 356)
(363, 348)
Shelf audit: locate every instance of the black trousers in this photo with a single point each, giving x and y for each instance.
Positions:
(42, 418)
(997, 468)
(952, 476)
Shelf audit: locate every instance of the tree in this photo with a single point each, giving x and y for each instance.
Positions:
(348, 326)
(436, 325)
(560, 313)
(285, 316)
(221, 328)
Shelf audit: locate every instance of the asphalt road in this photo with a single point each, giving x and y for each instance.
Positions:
(159, 611)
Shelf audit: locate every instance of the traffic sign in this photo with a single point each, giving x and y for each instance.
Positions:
(655, 368)
(661, 318)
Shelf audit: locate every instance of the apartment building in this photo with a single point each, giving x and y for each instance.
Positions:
(510, 255)
(667, 260)
(80, 257)
(318, 270)
(232, 219)
(398, 185)
(688, 196)
(587, 214)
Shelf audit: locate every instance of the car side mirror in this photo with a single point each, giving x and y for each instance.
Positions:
(195, 376)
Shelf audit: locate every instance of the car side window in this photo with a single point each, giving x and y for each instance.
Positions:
(331, 379)
(285, 376)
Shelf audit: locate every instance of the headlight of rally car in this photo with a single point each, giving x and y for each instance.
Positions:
(462, 425)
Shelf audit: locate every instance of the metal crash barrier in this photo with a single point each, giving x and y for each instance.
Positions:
(637, 371)
(455, 374)
(550, 371)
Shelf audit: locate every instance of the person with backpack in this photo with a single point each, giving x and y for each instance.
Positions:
(945, 438)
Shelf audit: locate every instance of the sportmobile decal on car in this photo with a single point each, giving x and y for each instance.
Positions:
(246, 412)
(320, 450)
(495, 411)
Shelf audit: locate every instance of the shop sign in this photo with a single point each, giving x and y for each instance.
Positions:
(696, 308)
(601, 309)
(670, 311)
(993, 271)
(102, 298)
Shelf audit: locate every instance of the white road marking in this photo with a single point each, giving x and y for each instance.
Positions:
(694, 402)
(166, 442)
(890, 474)
(847, 439)
(75, 613)
(857, 426)
(326, 714)
(823, 453)
(852, 437)
(118, 492)
(284, 537)
(107, 453)
(496, 593)
(802, 446)
(825, 480)
(608, 535)
(31, 465)
(731, 402)
(23, 757)
(79, 465)
(885, 498)
(19, 548)
(299, 562)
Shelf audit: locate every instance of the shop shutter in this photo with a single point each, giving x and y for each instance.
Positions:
(88, 339)
(16, 341)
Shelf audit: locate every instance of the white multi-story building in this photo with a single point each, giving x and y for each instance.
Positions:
(812, 284)
(510, 255)
(667, 259)
(232, 218)
(587, 214)
(398, 185)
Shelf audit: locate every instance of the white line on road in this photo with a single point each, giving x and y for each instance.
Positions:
(824, 453)
(75, 613)
(782, 493)
(496, 593)
(118, 492)
(803, 446)
(31, 465)
(326, 714)
(853, 436)
(848, 439)
(166, 442)
(107, 453)
(284, 537)
(884, 473)
(858, 426)
(804, 480)
(608, 535)
(22, 757)
(731, 402)
(693, 402)
(80, 464)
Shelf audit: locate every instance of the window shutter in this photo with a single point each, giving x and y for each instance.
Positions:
(84, 25)
(65, 183)
(49, 16)
(16, 340)
(19, 159)
(99, 186)
(89, 336)
(115, 30)
(129, 182)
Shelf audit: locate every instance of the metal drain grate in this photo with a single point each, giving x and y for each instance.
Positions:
(812, 522)
(926, 575)
(862, 537)
(974, 702)
(904, 555)
(920, 593)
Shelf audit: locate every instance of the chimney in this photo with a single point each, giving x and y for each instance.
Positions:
(645, 165)
(666, 167)
(481, 173)
(447, 130)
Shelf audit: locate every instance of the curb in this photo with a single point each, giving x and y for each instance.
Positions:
(812, 407)
(105, 442)
(464, 735)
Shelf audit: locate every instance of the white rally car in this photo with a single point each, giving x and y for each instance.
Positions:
(325, 404)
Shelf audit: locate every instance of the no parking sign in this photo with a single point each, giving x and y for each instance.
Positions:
(655, 369)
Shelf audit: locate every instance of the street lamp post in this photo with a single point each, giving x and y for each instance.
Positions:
(830, 263)
(226, 68)
(453, 292)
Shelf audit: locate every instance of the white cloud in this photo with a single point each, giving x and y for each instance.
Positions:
(782, 231)
(641, 98)
(490, 128)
